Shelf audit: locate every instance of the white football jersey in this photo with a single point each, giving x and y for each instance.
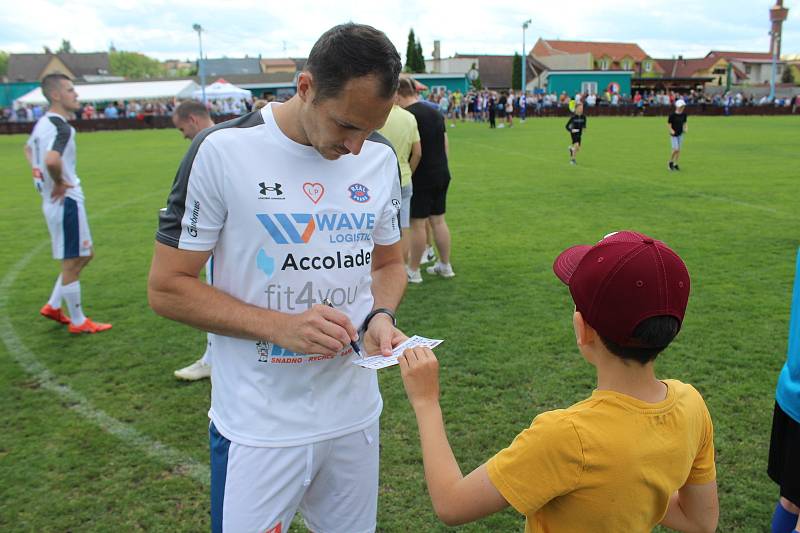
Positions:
(288, 229)
(53, 133)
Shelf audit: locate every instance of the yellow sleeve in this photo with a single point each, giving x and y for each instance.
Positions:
(703, 468)
(543, 462)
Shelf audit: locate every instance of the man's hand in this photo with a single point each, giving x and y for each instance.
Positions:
(320, 330)
(381, 336)
(420, 371)
(59, 190)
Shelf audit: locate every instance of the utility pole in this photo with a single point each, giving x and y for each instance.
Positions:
(524, 55)
(200, 63)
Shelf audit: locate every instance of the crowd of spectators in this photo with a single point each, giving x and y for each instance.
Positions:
(134, 109)
(480, 105)
(474, 105)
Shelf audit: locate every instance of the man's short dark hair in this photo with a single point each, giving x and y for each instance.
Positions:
(191, 107)
(650, 338)
(351, 51)
(52, 82)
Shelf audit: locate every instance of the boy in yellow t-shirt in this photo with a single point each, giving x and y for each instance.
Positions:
(637, 453)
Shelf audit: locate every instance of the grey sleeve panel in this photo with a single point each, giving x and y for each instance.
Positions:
(378, 138)
(170, 220)
(63, 132)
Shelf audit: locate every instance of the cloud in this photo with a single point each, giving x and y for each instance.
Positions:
(234, 28)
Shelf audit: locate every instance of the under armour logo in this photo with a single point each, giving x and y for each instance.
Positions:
(276, 189)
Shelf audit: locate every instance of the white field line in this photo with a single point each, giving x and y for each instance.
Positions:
(178, 462)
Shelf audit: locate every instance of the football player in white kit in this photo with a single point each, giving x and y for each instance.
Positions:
(51, 152)
(299, 203)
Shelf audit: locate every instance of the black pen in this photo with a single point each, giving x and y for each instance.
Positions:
(353, 345)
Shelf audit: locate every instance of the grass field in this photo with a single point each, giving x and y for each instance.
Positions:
(97, 435)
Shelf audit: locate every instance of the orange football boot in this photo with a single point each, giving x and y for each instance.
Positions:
(52, 313)
(89, 327)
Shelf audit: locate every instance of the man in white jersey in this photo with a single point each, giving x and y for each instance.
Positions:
(190, 118)
(299, 203)
(50, 150)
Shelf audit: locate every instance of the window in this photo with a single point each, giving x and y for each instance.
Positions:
(748, 69)
(626, 65)
(589, 87)
(648, 66)
(720, 70)
(603, 64)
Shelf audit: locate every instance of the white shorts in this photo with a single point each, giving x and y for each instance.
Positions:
(677, 140)
(334, 484)
(405, 205)
(69, 228)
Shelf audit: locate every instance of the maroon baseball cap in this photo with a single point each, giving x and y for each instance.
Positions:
(622, 280)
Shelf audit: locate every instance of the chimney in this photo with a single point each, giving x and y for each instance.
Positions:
(777, 14)
(437, 56)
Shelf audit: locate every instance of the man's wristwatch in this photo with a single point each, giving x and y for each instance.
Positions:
(377, 311)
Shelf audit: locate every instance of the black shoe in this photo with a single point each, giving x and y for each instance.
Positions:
(671, 165)
(676, 167)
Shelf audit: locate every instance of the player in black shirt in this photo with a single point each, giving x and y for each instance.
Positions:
(575, 126)
(429, 181)
(677, 127)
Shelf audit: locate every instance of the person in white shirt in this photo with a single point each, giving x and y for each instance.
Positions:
(51, 152)
(299, 204)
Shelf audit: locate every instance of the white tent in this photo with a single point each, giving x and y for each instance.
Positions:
(222, 90)
(110, 92)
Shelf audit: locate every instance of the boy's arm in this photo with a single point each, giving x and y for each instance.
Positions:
(693, 508)
(456, 499)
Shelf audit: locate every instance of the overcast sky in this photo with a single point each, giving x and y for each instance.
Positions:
(234, 28)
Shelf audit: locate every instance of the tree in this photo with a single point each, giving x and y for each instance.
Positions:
(788, 75)
(133, 65)
(420, 58)
(411, 52)
(66, 47)
(3, 63)
(476, 83)
(47, 49)
(516, 72)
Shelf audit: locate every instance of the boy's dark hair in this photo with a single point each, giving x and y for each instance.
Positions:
(191, 107)
(349, 51)
(650, 338)
(51, 82)
(407, 87)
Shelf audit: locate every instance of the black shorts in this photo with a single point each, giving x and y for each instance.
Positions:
(576, 137)
(784, 455)
(429, 201)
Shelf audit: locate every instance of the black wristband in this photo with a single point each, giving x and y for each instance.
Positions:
(374, 312)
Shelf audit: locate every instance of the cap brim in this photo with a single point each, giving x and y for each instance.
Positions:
(567, 261)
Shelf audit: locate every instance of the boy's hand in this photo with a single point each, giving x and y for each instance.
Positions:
(420, 371)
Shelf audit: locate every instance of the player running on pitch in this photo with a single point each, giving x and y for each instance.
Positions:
(677, 127)
(575, 126)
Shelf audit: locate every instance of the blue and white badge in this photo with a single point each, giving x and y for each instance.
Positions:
(359, 193)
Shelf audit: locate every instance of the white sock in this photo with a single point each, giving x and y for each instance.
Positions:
(72, 294)
(55, 296)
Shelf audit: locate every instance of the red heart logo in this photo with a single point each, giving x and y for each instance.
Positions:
(314, 191)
